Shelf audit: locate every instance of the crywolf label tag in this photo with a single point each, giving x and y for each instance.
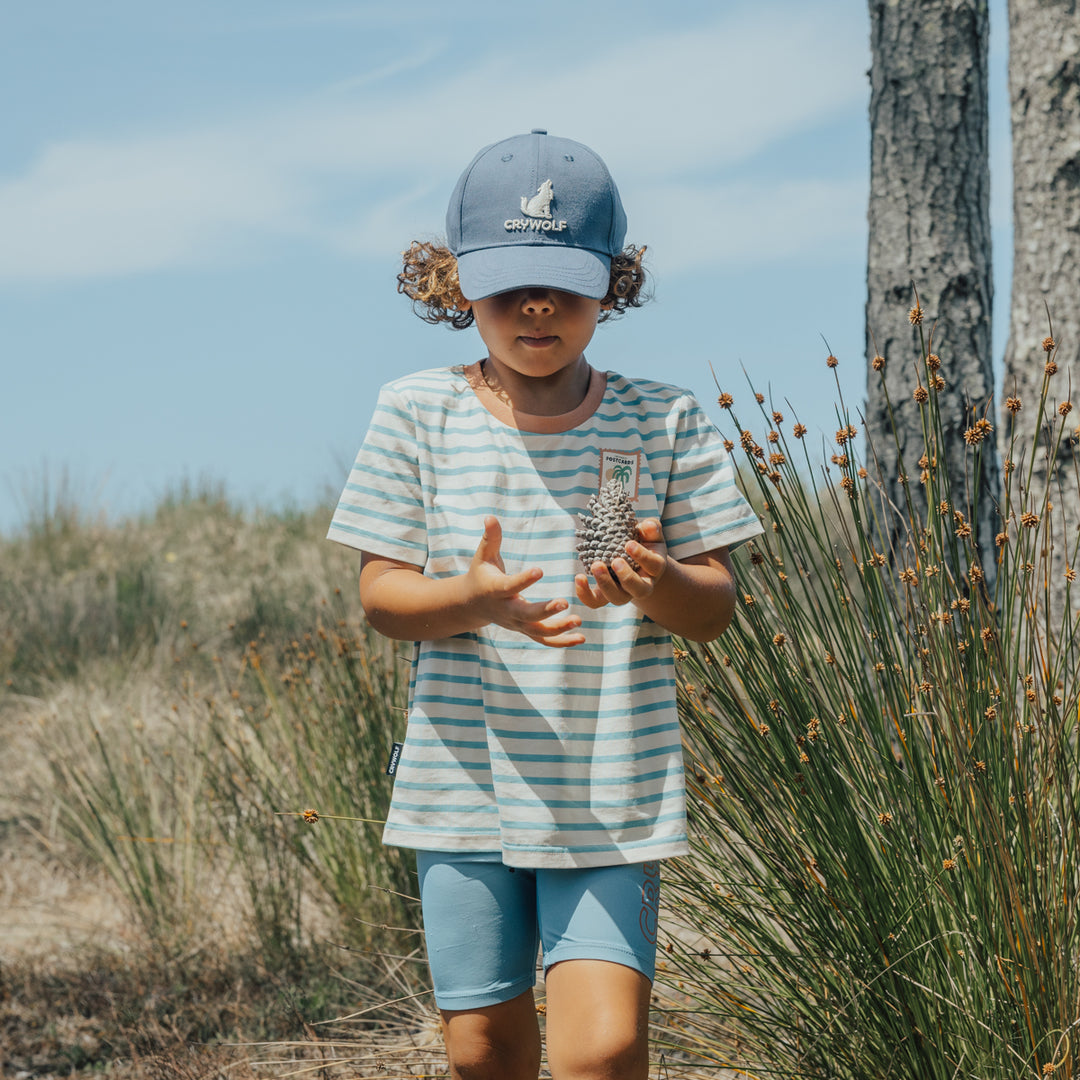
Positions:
(395, 757)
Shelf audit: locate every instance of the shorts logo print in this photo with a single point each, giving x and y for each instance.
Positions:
(650, 901)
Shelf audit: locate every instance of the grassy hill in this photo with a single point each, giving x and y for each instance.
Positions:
(158, 678)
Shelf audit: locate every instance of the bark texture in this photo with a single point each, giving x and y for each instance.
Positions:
(929, 218)
(1044, 87)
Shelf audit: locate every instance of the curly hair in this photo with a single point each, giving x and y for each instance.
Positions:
(429, 278)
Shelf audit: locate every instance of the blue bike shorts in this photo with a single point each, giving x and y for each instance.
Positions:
(484, 921)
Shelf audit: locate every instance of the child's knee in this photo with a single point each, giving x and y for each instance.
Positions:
(485, 1059)
(500, 1043)
(598, 1021)
(609, 1053)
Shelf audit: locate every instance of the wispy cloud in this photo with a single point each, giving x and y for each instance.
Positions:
(671, 112)
(743, 224)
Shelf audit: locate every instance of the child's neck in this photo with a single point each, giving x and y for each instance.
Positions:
(548, 395)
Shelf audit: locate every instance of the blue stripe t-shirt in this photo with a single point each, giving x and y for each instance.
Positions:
(548, 757)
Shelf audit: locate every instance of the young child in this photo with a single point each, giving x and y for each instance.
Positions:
(541, 778)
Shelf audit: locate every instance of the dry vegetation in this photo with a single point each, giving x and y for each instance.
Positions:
(156, 909)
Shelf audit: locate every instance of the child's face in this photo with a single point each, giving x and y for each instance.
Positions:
(536, 331)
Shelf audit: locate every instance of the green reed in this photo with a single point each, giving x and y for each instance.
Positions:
(882, 760)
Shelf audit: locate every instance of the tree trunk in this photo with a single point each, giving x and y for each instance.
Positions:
(1044, 85)
(929, 222)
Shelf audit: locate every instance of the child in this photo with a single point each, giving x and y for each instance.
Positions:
(541, 778)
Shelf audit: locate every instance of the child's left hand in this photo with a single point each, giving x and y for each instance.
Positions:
(620, 585)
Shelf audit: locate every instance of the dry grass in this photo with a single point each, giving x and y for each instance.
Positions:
(117, 639)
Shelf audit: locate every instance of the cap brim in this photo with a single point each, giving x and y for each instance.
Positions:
(500, 269)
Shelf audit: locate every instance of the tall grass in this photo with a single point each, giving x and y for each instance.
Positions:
(132, 799)
(883, 771)
(189, 690)
(312, 742)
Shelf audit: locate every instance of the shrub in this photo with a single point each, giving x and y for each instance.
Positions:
(884, 784)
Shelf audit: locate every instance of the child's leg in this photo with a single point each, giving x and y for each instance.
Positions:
(598, 928)
(500, 1042)
(597, 1021)
(482, 942)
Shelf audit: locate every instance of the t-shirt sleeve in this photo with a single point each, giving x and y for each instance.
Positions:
(381, 510)
(704, 508)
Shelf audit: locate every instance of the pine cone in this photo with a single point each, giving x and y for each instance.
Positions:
(610, 523)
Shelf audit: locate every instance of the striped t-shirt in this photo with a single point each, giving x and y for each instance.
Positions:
(549, 757)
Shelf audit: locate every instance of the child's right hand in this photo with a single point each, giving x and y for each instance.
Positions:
(497, 596)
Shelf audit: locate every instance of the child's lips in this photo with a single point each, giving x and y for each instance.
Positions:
(538, 342)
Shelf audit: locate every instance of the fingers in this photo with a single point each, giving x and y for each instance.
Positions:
(619, 584)
(549, 623)
(649, 531)
(488, 567)
(653, 562)
(565, 639)
(490, 543)
(586, 594)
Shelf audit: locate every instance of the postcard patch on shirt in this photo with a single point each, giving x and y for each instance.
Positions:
(616, 465)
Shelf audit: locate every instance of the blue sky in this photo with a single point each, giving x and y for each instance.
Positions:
(202, 207)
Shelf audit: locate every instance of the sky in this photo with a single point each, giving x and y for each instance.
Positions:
(203, 205)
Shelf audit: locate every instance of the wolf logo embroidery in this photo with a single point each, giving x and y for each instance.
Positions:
(539, 206)
(537, 211)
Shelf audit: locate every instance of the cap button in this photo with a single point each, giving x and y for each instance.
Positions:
(538, 131)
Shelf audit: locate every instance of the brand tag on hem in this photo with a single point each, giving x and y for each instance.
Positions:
(395, 756)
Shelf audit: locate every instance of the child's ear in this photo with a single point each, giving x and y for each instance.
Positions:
(607, 305)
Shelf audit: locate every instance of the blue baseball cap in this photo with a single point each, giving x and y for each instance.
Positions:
(535, 210)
